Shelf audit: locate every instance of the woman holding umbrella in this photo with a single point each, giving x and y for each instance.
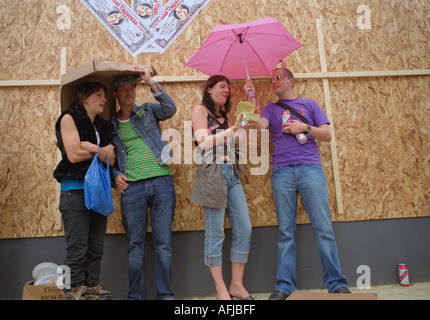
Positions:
(217, 186)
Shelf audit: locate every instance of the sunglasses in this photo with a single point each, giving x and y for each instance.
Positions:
(278, 78)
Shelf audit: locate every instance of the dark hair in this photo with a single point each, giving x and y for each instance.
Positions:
(207, 99)
(86, 89)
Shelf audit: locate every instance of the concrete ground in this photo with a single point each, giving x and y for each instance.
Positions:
(416, 291)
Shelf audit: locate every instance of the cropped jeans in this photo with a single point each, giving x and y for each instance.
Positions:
(310, 182)
(157, 194)
(238, 216)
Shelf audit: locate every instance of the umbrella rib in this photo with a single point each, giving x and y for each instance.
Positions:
(226, 54)
(215, 42)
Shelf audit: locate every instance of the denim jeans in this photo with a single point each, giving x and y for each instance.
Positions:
(310, 182)
(238, 216)
(85, 232)
(157, 194)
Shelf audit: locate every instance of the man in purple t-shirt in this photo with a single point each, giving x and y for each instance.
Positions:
(297, 169)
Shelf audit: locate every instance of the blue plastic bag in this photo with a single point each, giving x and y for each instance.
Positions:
(97, 187)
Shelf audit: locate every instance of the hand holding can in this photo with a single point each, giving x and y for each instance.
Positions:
(286, 118)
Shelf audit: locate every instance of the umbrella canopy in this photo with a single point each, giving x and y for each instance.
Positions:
(242, 50)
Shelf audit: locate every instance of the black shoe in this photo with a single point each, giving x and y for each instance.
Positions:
(342, 290)
(247, 298)
(278, 295)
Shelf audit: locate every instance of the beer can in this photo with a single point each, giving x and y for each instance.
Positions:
(286, 117)
(403, 274)
(301, 138)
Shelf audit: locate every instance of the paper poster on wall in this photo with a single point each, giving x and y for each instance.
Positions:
(148, 25)
(122, 23)
(147, 10)
(170, 21)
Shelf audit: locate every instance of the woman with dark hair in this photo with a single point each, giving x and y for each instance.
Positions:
(81, 132)
(217, 186)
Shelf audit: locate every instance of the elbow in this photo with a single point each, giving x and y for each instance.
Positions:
(73, 159)
(328, 138)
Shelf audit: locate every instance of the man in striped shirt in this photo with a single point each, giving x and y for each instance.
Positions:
(144, 180)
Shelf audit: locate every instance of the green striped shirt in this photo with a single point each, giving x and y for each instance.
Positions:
(141, 162)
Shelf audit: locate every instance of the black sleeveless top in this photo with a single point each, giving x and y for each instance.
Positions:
(213, 126)
(86, 133)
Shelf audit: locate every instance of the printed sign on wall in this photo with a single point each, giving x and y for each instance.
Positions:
(148, 25)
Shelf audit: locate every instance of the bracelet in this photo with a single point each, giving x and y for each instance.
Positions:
(153, 83)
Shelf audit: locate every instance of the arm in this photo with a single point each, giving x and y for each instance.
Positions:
(93, 149)
(72, 142)
(261, 124)
(120, 180)
(166, 109)
(199, 119)
(250, 92)
(321, 132)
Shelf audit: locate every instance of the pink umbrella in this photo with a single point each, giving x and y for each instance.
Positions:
(243, 50)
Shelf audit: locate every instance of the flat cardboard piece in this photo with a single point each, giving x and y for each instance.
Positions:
(32, 292)
(308, 295)
(101, 71)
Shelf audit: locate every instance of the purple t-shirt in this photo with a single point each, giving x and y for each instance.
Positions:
(287, 150)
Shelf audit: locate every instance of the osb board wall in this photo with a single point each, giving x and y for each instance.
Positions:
(381, 124)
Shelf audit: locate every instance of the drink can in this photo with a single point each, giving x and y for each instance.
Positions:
(403, 274)
(286, 117)
(301, 138)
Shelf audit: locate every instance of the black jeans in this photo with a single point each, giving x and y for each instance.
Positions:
(85, 232)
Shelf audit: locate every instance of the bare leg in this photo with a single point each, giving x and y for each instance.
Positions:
(236, 286)
(221, 289)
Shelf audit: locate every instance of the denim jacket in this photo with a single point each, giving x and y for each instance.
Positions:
(145, 120)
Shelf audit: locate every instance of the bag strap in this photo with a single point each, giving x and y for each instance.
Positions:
(298, 115)
(107, 157)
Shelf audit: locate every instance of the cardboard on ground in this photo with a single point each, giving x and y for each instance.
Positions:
(247, 109)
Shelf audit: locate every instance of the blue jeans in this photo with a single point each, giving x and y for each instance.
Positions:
(158, 194)
(310, 182)
(238, 216)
